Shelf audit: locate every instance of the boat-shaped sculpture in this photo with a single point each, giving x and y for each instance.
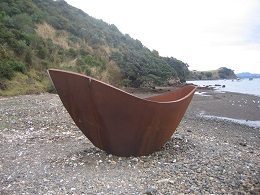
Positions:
(118, 122)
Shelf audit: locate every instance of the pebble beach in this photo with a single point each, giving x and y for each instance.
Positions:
(215, 150)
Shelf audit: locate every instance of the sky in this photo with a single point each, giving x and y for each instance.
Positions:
(205, 34)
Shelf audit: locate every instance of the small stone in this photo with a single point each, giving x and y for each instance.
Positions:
(150, 191)
(243, 144)
(113, 162)
(173, 160)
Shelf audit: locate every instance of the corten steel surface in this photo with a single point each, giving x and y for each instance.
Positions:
(118, 122)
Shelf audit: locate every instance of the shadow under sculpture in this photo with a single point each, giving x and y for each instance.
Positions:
(118, 122)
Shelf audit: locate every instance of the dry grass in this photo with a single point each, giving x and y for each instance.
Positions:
(71, 63)
(22, 84)
(113, 74)
(48, 32)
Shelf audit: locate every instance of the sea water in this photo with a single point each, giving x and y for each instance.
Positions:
(245, 86)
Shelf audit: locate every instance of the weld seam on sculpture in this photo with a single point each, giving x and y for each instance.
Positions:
(116, 121)
(95, 116)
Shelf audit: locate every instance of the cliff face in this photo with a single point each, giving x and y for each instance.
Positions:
(221, 73)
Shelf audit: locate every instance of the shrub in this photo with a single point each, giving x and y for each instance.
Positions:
(20, 47)
(18, 66)
(8, 68)
(51, 88)
(208, 74)
(6, 71)
(72, 53)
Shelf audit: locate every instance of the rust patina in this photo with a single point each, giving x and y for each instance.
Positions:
(118, 122)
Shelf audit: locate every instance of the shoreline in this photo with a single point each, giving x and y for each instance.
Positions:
(237, 107)
(227, 105)
(242, 86)
(44, 152)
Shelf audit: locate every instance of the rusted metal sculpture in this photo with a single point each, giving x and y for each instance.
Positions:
(118, 122)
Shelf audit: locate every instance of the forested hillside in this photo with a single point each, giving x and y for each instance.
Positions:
(39, 34)
(221, 73)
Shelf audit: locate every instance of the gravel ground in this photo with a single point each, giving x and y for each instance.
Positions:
(43, 152)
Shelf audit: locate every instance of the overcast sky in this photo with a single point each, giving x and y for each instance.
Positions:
(206, 34)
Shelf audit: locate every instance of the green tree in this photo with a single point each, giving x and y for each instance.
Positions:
(20, 47)
(208, 74)
(6, 71)
(224, 72)
(23, 22)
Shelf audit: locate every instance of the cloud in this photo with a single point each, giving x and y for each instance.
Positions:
(205, 34)
(253, 27)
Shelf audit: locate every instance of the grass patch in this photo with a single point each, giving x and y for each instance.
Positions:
(22, 85)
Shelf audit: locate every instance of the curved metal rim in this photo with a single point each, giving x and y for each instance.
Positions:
(167, 102)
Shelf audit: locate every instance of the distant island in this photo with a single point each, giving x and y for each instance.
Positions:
(247, 75)
(221, 73)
